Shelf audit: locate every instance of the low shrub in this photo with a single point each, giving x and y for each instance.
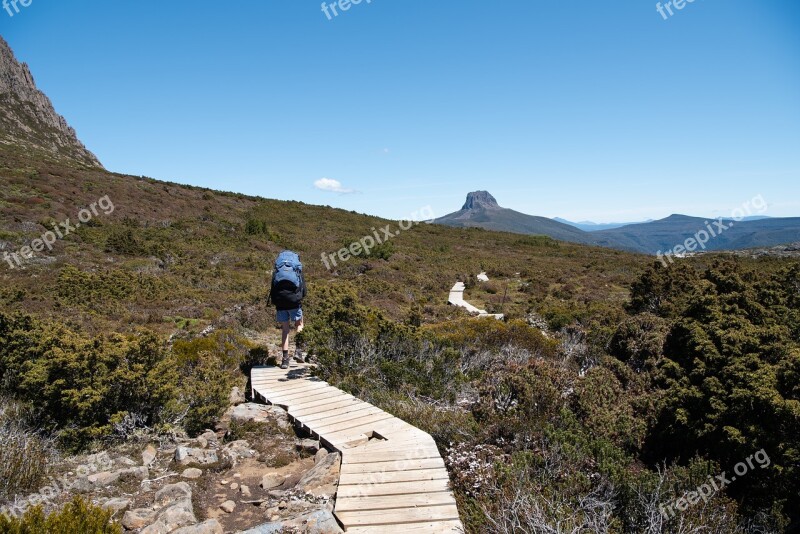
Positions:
(76, 517)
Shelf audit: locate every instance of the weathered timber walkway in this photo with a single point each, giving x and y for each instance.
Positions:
(392, 480)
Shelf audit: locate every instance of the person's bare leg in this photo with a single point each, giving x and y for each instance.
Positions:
(300, 324)
(285, 327)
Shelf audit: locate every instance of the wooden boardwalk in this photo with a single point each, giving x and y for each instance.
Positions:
(392, 480)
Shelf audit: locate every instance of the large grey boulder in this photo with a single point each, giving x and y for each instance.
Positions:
(138, 518)
(317, 522)
(212, 526)
(322, 479)
(252, 412)
(173, 493)
(188, 455)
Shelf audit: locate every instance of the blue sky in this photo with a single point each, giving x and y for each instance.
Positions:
(571, 108)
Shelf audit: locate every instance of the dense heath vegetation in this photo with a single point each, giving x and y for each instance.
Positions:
(615, 386)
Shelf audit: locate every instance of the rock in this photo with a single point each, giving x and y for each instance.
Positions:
(234, 486)
(239, 449)
(117, 505)
(208, 439)
(212, 526)
(127, 462)
(178, 515)
(322, 479)
(187, 455)
(317, 522)
(173, 493)
(277, 494)
(228, 507)
(149, 455)
(308, 445)
(138, 518)
(134, 473)
(245, 490)
(101, 460)
(321, 454)
(103, 479)
(236, 397)
(192, 473)
(259, 413)
(156, 528)
(271, 481)
(81, 485)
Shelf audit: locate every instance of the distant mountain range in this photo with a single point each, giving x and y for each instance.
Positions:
(482, 210)
(589, 226)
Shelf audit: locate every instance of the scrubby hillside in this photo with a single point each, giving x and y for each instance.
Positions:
(173, 255)
(615, 387)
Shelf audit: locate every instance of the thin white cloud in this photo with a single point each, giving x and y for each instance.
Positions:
(333, 186)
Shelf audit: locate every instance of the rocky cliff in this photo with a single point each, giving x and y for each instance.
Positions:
(28, 120)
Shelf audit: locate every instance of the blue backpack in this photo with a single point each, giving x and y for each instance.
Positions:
(288, 287)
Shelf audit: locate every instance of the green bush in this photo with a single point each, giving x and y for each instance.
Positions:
(208, 369)
(124, 242)
(77, 517)
(86, 386)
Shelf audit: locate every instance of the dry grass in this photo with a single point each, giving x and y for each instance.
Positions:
(25, 453)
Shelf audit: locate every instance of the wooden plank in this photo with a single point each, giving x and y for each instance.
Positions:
(319, 410)
(302, 404)
(349, 504)
(367, 410)
(406, 440)
(399, 456)
(376, 518)
(284, 379)
(285, 387)
(350, 479)
(282, 395)
(307, 417)
(434, 527)
(309, 396)
(352, 423)
(314, 417)
(385, 427)
(394, 488)
(384, 467)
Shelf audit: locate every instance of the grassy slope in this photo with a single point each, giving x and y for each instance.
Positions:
(191, 249)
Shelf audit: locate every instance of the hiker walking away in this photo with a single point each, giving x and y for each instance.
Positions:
(287, 293)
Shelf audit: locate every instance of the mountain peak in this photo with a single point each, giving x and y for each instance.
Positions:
(480, 200)
(27, 117)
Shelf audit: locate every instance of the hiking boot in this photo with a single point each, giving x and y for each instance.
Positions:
(285, 363)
